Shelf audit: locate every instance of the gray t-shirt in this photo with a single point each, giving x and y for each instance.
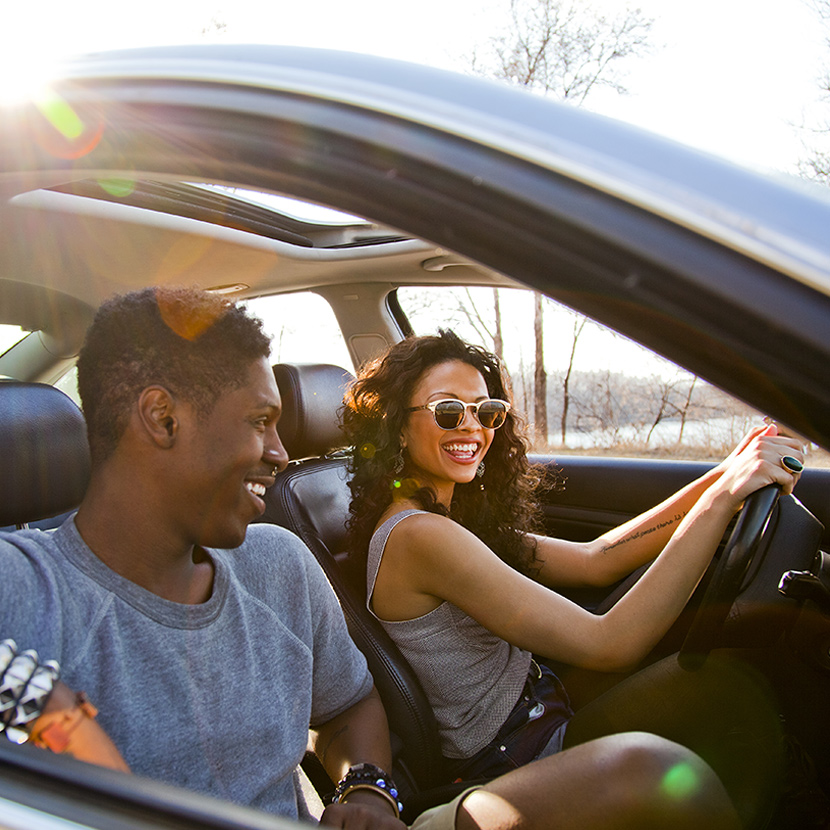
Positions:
(215, 697)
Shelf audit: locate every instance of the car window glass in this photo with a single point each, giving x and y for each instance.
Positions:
(68, 384)
(302, 328)
(9, 335)
(603, 392)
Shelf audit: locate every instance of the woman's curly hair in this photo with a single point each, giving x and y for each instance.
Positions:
(501, 513)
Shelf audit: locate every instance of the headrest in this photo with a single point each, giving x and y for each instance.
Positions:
(312, 397)
(45, 454)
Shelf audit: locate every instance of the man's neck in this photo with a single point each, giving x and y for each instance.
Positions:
(134, 540)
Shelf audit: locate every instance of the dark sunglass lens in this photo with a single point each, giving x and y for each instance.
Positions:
(449, 414)
(491, 414)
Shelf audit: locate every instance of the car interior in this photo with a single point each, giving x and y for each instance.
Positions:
(42, 429)
(42, 432)
(199, 196)
(311, 498)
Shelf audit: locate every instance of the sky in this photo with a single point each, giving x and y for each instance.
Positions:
(737, 78)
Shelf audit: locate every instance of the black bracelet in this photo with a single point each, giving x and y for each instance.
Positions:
(368, 777)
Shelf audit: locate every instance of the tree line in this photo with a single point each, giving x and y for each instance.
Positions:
(655, 409)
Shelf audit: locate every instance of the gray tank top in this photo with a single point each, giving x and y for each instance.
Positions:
(471, 677)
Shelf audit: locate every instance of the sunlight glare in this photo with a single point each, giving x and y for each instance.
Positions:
(680, 781)
(30, 82)
(24, 77)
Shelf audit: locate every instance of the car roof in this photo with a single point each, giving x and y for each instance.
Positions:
(752, 213)
(724, 271)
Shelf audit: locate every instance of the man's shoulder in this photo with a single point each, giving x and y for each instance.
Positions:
(270, 538)
(274, 566)
(38, 589)
(272, 549)
(28, 544)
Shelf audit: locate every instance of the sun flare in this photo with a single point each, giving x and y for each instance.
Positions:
(24, 78)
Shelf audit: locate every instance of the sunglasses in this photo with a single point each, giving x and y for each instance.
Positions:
(450, 412)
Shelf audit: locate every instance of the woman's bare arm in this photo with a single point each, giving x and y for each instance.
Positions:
(622, 550)
(429, 559)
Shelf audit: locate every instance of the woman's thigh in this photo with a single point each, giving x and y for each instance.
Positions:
(619, 781)
(726, 712)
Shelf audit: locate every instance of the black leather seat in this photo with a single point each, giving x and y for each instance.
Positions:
(311, 498)
(45, 454)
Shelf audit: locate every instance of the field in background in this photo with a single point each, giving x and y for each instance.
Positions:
(816, 458)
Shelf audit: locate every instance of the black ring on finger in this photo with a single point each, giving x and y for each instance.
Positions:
(791, 463)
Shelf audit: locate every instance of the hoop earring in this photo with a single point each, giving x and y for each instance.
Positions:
(480, 470)
(398, 463)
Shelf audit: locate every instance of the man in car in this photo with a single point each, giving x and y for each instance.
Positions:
(210, 647)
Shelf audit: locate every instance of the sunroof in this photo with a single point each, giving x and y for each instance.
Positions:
(298, 209)
(274, 217)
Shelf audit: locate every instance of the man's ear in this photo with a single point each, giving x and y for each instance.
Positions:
(157, 415)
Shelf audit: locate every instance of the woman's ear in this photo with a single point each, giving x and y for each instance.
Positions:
(157, 415)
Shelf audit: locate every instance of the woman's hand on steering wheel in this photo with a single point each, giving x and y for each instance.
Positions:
(758, 460)
(764, 465)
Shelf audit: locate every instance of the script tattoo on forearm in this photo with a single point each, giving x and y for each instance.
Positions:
(644, 532)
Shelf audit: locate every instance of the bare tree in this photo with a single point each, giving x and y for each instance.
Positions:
(540, 380)
(217, 26)
(478, 321)
(498, 338)
(816, 165)
(579, 325)
(675, 401)
(685, 408)
(464, 309)
(599, 412)
(563, 49)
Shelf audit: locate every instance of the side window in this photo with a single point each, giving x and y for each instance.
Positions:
(68, 384)
(594, 390)
(9, 335)
(302, 328)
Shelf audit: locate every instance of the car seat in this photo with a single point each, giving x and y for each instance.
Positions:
(311, 498)
(45, 454)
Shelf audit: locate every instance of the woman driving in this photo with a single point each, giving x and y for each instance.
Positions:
(444, 512)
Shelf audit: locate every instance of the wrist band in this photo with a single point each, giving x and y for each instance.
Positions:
(56, 733)
(25, 687)
(13, 683)
(32, 701)
(344, 796)
(368, 777)
(8, 651)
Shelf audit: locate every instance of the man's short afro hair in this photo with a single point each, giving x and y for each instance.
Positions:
(194, 343)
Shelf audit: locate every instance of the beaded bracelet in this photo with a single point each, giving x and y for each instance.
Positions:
(368, 777)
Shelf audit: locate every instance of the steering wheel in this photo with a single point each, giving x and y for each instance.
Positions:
(729, 573)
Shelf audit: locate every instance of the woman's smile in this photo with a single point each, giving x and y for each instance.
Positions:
(439, 457)
(462, 452)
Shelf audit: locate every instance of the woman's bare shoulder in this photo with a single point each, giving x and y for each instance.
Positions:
(422, 535)
(417, 521)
